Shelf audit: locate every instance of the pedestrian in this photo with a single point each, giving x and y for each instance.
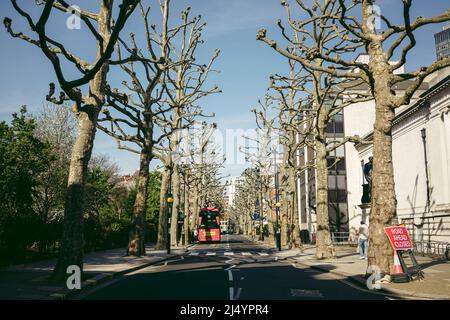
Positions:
(363, 241)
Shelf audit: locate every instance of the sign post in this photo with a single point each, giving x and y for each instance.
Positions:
(401, 242)
(399, 238)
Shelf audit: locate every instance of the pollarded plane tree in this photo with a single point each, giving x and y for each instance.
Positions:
(200, 160)
(244, 202)
(186, 84)
(172, 153)
(259, 151)
(389, 41)
(133, 114)
(306, 127)
(263, 160)
(105, 30)
(290, 101)
(279, 115)
(192, 154)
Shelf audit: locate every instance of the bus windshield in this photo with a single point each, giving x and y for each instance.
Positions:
(209, 219)
(209, 222)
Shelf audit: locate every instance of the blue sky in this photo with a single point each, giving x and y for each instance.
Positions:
(244, 63)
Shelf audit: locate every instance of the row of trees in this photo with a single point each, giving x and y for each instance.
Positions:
(157, 102)
(33, 176)
(321, 40)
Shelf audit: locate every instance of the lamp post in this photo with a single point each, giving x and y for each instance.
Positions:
(169, 202)
(423, 134)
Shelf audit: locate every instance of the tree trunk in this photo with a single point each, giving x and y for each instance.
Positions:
(324, 246)
(383, 203)
(72, 242)
(270, 220)
(186, 212)
(383, 206)
(176, 206)
(195, 208)
(136, 244)
(163, 212)
(284, 210)
(71, 250)
(295, 233)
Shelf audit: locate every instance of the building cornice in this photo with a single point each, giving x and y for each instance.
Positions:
(423, 102)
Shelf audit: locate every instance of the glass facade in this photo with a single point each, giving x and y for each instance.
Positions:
(337, 179)
(442, 40)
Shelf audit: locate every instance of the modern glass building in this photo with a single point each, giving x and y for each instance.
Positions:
(337, 183)
(442, 40)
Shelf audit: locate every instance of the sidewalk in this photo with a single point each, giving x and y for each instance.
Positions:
(348, 266)
(31, 281)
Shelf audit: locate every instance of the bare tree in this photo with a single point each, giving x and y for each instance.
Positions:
(144, 106)
(185, 86)
(86, 106)
(350, 33)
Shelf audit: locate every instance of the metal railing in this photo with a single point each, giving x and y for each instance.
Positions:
(432, 248)
(343, 238)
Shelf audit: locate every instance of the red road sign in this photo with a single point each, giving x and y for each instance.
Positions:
(399, 238)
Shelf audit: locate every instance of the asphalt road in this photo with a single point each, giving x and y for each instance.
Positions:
(235, 269)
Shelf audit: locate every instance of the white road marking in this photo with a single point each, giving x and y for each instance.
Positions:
(246, 254)
(263, 254)
(230, 267)
(228, 253)
(230, 275)
(236, 297)
(194, 253)
(211, 254)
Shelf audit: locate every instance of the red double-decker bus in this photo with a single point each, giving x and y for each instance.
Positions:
(209, 225)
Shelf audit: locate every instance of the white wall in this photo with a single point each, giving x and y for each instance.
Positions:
(358, 120)
(409, 165)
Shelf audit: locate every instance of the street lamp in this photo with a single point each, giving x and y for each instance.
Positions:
(169, 202)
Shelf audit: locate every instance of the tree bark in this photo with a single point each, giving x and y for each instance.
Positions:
(284, 210)
(383, 207)
(176, 206)
(195, 208)
(136, 244)
(186, 212)
(71, 250)
(270, 220)
(324, 246)
(295, 228)
(163, 212)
